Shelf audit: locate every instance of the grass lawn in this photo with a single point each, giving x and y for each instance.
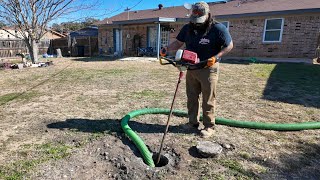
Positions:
(63, 121)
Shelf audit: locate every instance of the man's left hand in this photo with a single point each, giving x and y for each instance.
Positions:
(211, 61)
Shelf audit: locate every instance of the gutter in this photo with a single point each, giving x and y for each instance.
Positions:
(141, 21)
(271, 13)
(296, 11)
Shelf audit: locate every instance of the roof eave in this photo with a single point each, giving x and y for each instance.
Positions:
(140, 21)
(271, 13)
(163, 19)
(147, 20)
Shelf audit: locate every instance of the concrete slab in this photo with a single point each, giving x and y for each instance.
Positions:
(138, 59)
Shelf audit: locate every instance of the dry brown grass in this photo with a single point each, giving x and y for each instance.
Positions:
(76, 106)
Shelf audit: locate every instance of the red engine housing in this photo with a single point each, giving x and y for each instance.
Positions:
(190, 57)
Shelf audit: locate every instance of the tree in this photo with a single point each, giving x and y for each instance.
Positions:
(31, 18)
(89, 22)
(2, 24)
(73, 25)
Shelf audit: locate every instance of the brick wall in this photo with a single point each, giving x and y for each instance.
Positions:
(105, 39)
(299, 38)
(130, 34)
(129, 41)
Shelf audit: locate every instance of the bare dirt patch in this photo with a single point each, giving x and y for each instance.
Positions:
(63, 122)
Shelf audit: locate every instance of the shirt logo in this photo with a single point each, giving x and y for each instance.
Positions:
(204, 41)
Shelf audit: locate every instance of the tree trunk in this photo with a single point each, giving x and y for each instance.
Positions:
(33, 51)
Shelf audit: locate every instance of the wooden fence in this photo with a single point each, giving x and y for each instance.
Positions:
(11, 47)
(80, 46)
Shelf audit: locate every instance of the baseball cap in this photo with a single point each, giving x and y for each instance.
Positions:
(200, 10)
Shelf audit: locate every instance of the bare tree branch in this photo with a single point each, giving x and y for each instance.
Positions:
(31, 18)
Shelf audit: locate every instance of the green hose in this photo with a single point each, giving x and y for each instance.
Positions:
(147, 156)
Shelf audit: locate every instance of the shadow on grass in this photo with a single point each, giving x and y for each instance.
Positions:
(301, 165)
(294, 84)
(236, 61)
(95, 59)
(113, 126)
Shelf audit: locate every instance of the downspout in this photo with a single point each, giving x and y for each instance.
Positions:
(159, 40)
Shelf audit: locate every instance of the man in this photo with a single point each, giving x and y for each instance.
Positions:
(210, 40)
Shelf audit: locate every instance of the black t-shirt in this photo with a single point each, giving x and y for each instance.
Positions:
(205, 45)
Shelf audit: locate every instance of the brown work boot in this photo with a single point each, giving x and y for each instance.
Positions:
(190, 126)
(207, 132)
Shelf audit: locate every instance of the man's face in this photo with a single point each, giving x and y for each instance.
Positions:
(199, 26)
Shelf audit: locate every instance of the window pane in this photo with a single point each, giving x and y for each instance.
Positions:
(274, 24)
(272, 35)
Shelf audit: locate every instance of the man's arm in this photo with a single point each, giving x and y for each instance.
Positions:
(174, 46)
(225, 50)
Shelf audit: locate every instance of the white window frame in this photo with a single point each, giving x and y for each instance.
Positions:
(265, 30)
(228, 23)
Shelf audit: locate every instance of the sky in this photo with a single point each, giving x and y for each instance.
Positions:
(101, 9)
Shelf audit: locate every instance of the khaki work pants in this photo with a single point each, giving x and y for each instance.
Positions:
(202, 81)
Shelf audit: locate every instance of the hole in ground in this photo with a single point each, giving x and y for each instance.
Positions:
(163, 160)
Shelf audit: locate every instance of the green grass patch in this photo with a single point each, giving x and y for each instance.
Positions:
(214, 176)
(149, 94)
(18, 96)
(245, 155)
(262, 70)
(41, 153)
(237, 167)
(52, 151)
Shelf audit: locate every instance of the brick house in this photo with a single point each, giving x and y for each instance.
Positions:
(259, 28)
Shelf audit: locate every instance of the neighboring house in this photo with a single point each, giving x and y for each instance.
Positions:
(11, 33)
(11, 42)
(259, 28)
(83, 42)
(8, 33)
(51, 34)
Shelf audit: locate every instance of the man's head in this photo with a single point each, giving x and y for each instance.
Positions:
(200, 13)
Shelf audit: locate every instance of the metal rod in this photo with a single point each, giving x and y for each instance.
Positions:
(168, 121)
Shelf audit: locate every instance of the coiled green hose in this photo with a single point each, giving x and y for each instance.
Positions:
(147, 156)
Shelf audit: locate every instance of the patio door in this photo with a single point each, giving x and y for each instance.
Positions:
(153, 37)
(117, 40)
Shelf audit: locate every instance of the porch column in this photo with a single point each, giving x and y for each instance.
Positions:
(158, 41)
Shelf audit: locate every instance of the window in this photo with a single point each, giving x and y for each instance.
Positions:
(273, 29)
(226, 24)
(152, 37)
(165, 36)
